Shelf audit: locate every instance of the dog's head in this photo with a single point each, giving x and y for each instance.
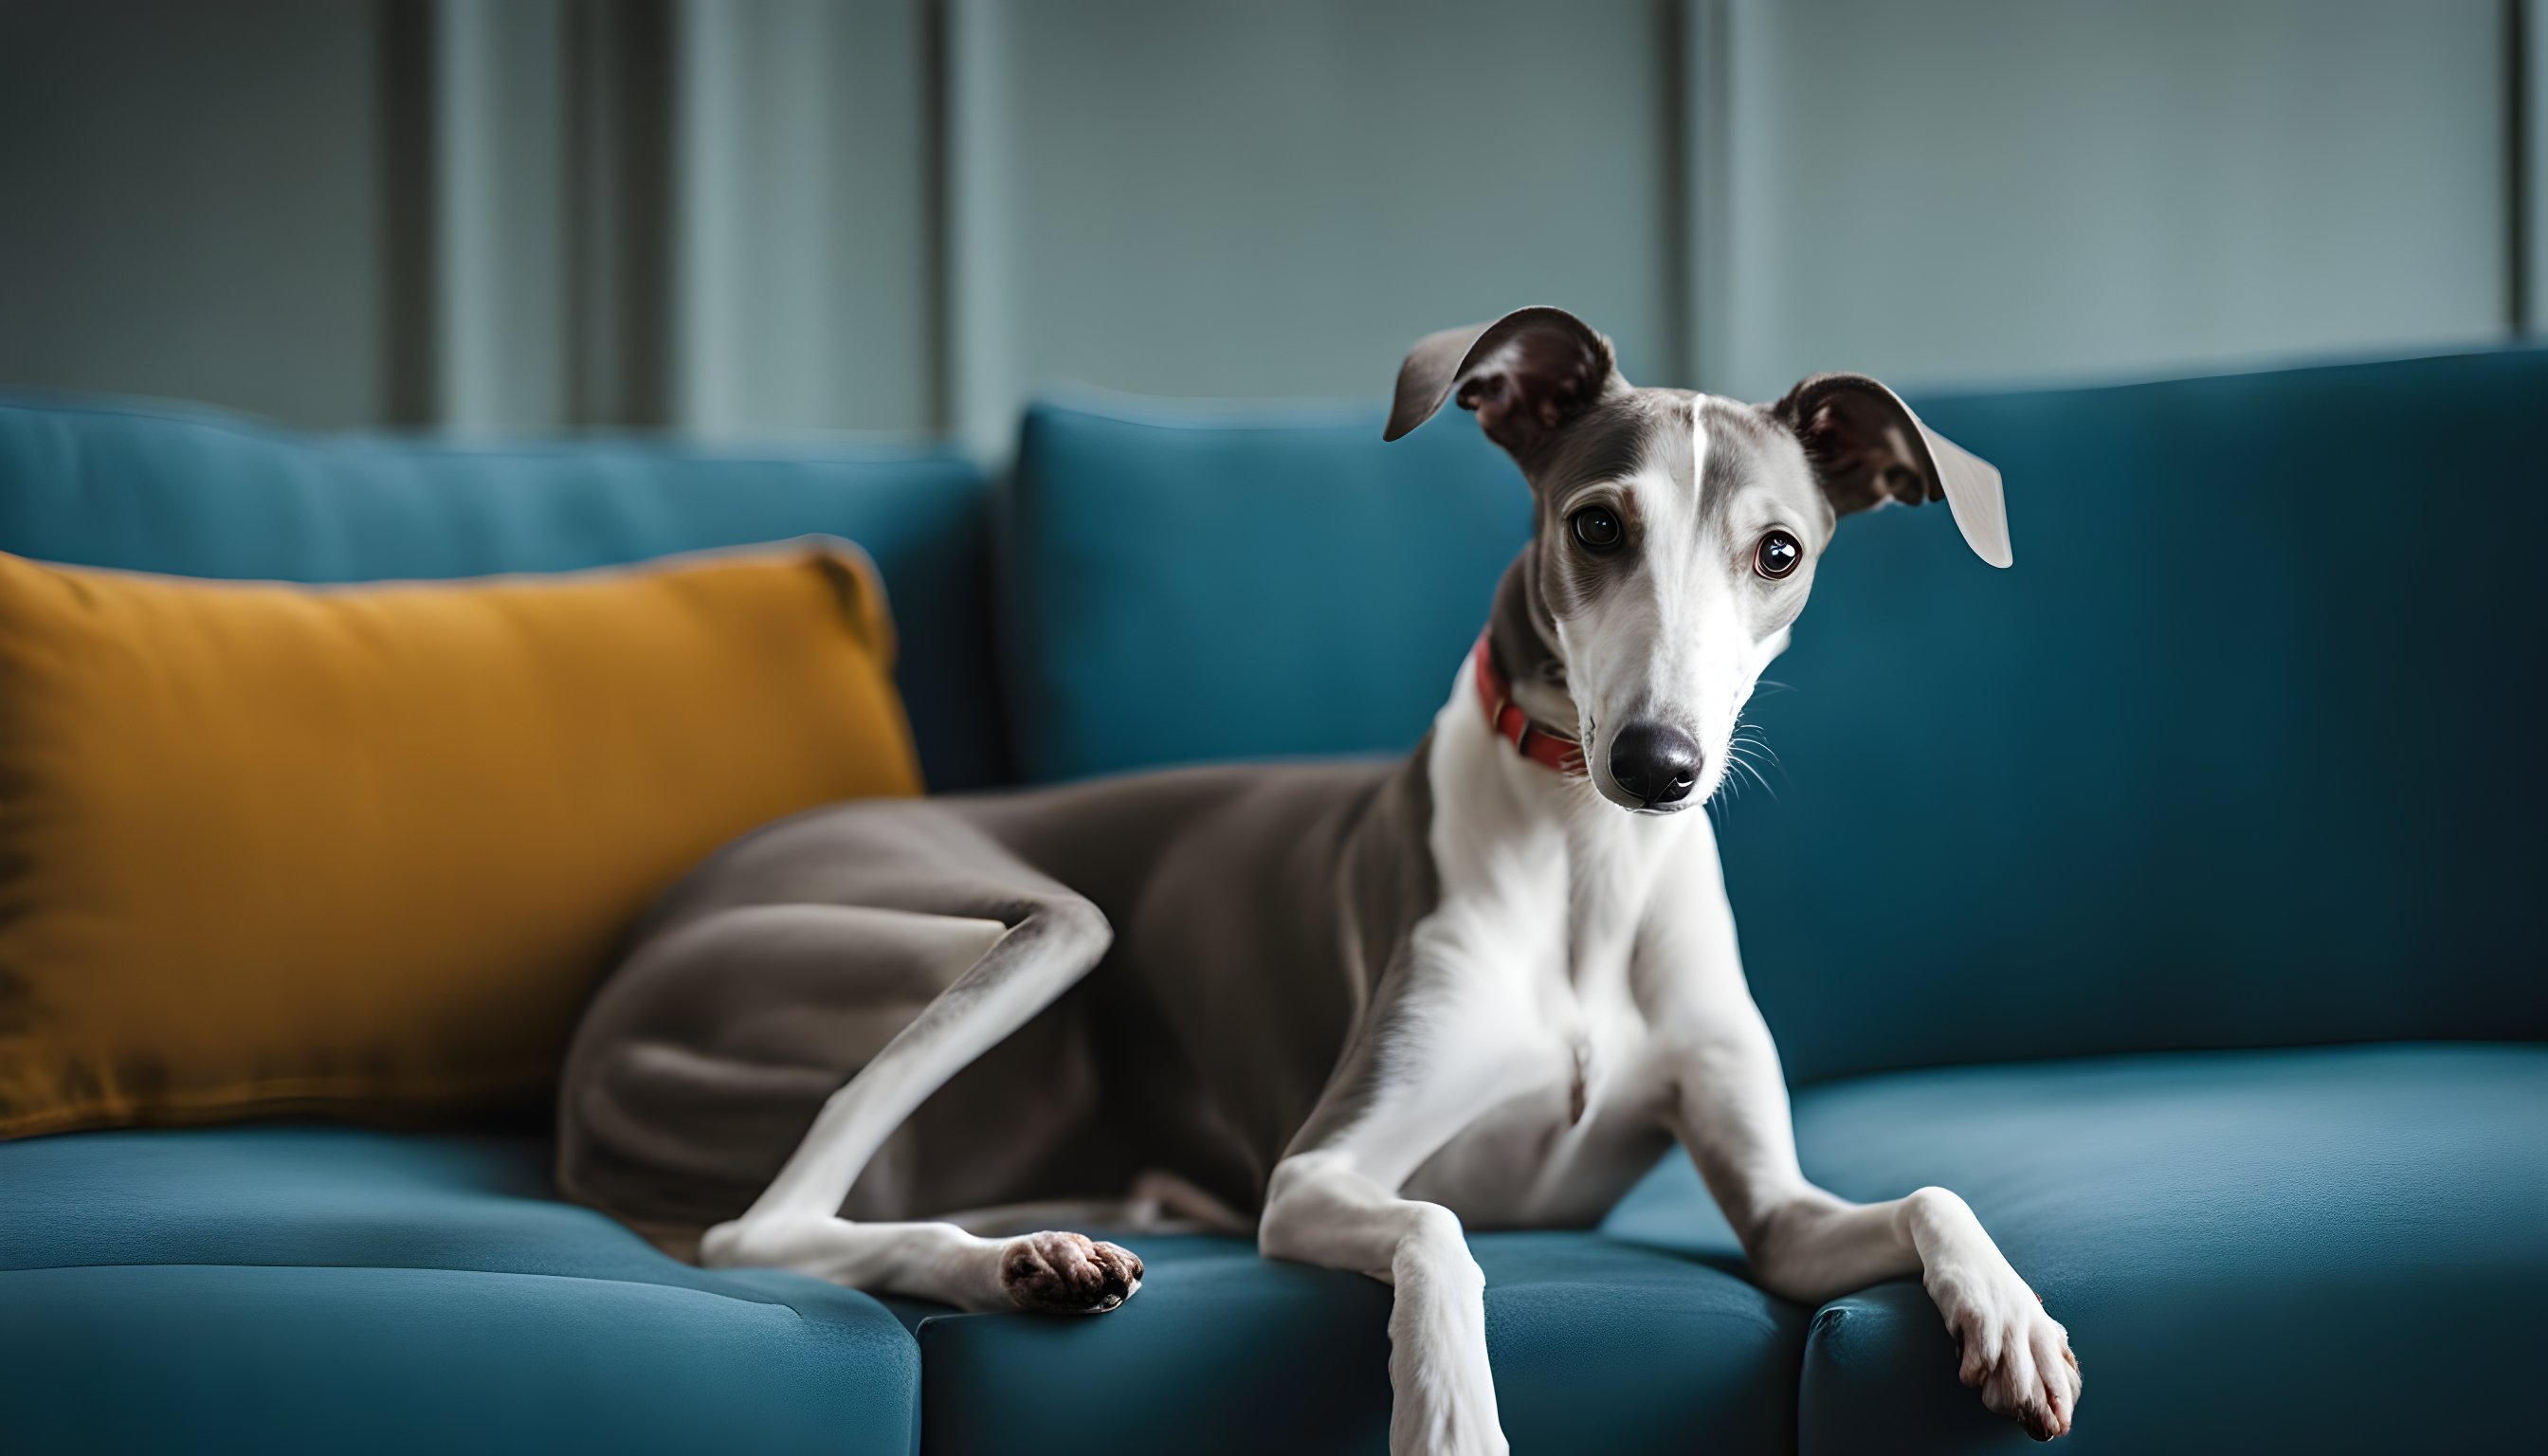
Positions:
(1676, 533)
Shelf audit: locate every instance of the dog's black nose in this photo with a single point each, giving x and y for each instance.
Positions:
(1657, 763)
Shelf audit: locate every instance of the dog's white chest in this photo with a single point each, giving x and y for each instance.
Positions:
(1564, 1060)
(1528, 969)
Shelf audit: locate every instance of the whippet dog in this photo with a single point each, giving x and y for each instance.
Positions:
(1357, 1009)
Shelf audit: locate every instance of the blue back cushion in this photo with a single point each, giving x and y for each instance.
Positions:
(2243, 749)
(2240, 751)
(199, 492)
(1186, 582)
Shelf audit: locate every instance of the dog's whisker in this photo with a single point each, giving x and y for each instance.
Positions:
(1748, 767)
(1740, 748)
(1746, 738)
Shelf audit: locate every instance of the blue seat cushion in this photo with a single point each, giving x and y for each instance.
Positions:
(2326, 1250)
(194, 492)
(286, 1289)
(1598, 1345)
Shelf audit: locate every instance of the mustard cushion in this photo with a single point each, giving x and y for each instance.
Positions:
(269, 848)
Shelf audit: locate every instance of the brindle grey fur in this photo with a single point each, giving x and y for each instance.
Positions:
(1198, 1044)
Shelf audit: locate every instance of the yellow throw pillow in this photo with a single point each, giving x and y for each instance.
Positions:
(268, 847)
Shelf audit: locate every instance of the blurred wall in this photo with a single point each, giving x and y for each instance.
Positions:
(810, 239)
(187, 204)
(2001, 189)
(748, 216)
(1224, 196)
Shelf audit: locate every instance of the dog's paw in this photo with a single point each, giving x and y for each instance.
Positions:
(2017, 1355)
(1068, 1274)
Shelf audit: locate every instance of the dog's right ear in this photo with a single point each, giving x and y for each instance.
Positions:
(1525, 374)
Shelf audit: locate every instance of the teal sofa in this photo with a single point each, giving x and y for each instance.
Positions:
(2174, 896)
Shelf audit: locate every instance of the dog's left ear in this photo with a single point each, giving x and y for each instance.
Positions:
(1866, 447)
(1525, 374)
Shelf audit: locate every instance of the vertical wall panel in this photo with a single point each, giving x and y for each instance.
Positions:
(1213, 197)
(187, 202)
(984, 340)
(502, 214)
(1706, 117)
(803, 274)
(2530, 190)
(622, 208)
(2002, 189)
(1236, 197)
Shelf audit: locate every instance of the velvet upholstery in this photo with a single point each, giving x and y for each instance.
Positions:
(310, 1289)
(1598, 1345)
(2240, 754)
(2241, 743)
(1183, 582)
(189, 490)
(2316, 1249)
(2242, 750)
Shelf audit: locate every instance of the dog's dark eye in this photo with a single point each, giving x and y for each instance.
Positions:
(1597, 527)
(1777, 555)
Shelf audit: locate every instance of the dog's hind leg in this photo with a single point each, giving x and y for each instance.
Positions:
(795, 1224)
(739, 1022)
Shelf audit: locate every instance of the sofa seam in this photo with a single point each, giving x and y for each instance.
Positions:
(420, 1269)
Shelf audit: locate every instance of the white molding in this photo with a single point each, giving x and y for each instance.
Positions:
(500, 215)
(1707, 153)
(800, 196)
(2533, 193)
(982, 303)
(710, 336)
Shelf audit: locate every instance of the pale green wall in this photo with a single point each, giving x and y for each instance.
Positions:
(806, 247)
(1217, 197)
(1270, 197)
(2002, 189)
(186, 202)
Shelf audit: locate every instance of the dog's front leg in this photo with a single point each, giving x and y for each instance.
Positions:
(1729, 1107)
(1810, 1246)
(1321, 1208)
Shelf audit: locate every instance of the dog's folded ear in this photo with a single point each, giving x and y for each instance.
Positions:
(1866, 447)
(1525, 374)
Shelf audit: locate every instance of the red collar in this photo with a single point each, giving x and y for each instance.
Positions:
(1548, 750)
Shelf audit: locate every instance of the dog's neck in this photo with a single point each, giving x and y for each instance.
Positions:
(1522, 633)
(1612, 856)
